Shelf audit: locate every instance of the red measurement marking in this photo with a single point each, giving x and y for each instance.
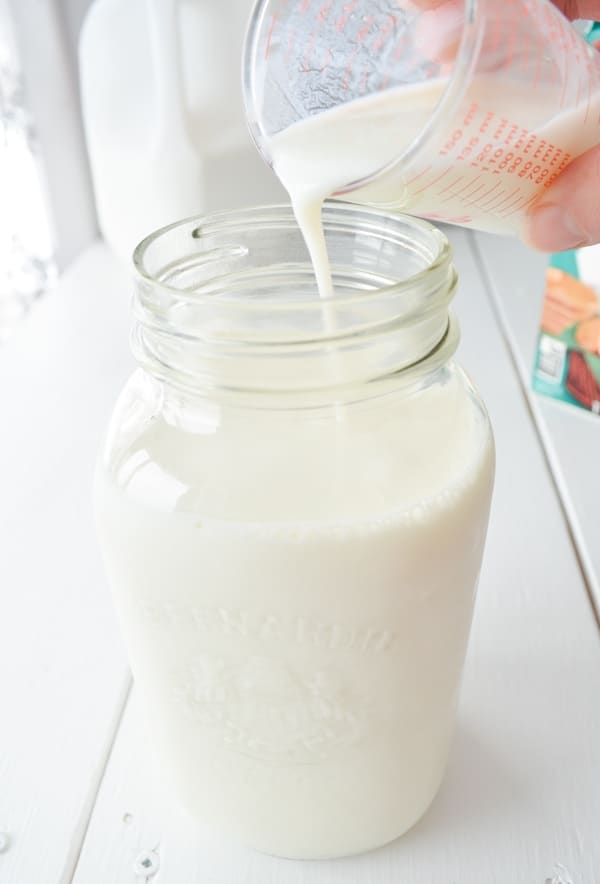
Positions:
(564, 85)
(496, 37)
(505, 214)
(452, 183)
(509, 214)
(403, 42)
(364, 81)
(530, 200)
(525, 59)
(323, 13)
(578, 91)
(454, 193)
(527, 202)
(487, 193)
(467, 197)
(450, 197)
(475, 203)
(343, 19)
(511, 43)
(459, 219)
(525, 54)
(469, 184)
(416, 177)
(505, 198)
(364, 31)
(430, 183)
(566, 58)
(466, 200)
(270, 34)
(385, 30)
(401, 46)
(327, 61)
(538, 68)
(309, 49)
(589, 92)
(304, 6)
(493, 204)
(349, 68)
(291, 42)
(511, 208)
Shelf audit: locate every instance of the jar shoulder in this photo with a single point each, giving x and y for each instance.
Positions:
(375, 455)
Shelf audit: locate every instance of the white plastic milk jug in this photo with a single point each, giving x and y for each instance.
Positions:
(163, 114)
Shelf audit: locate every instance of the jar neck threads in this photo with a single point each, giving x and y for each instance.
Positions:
(229, 304)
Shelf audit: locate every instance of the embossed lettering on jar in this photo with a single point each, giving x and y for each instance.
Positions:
(292, 503)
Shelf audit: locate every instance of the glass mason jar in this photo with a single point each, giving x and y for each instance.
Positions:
(292, 503)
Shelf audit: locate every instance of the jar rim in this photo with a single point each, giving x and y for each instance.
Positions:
(246, 314)
(335, 212)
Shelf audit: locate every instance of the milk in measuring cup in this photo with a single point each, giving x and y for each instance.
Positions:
(485, 169)
(324, 153)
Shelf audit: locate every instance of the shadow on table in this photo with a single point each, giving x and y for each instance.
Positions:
(479, 789)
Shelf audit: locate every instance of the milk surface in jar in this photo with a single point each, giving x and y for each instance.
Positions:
(293, 519)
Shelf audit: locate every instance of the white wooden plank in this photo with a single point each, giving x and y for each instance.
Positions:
(571, 436)
(64, 673)
(520, 799)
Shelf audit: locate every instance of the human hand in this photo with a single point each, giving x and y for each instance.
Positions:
(567, 214)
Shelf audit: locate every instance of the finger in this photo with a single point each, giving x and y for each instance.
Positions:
(428, 4)
(567, 216)
(571, 8)
(439, 29)
(579, 8)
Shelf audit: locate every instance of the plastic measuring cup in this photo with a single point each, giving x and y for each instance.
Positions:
(503, 95)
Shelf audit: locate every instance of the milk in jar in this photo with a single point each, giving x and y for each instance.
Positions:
(292, 517)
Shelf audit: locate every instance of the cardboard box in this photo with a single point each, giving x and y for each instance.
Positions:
(567, 364)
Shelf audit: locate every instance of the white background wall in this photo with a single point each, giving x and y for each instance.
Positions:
(47, 35)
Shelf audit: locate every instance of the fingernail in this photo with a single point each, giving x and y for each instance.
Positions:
(552, 228)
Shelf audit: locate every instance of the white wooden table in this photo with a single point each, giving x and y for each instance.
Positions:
(80, 797)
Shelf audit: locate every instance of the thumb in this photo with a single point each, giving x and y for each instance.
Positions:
(567, 215)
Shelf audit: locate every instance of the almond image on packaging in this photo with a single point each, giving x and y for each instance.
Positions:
(582, 384)
(567, 359)
(567, 301)
(587, 335)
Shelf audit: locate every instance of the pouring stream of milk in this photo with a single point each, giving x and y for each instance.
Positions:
(320, 155)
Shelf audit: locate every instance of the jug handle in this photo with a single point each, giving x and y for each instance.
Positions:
(166, 56)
